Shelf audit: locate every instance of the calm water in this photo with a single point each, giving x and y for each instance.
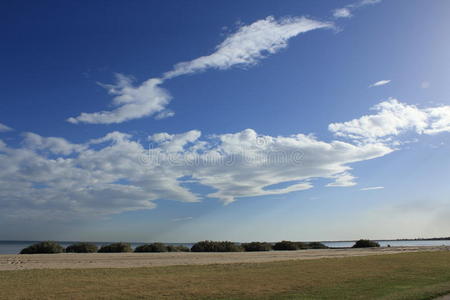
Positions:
(14, 247)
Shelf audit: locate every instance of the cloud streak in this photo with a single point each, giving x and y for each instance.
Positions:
(347, 11)
(380, 83)
(247, 46)
(372, 188)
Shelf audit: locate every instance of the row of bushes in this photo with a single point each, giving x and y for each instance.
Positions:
(53, 247)
(203, 246)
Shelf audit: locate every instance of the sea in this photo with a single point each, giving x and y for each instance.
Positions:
(14, 247)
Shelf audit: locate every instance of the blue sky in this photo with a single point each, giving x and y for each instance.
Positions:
(180, 121)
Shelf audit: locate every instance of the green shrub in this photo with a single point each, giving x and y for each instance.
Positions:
(115, 248)
(82, 248)
(256, 246)
(155, 247)
(302, 246)
(365, 244)
(285, 245)
(317, 245)
(211, 246)
(43, 247)
(180, 248)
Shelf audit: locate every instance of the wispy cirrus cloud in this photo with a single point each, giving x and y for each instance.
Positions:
(347, 11)
(247, 46)
(380, 83)
(372, 188)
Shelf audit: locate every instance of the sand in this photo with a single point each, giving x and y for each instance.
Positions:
(133, 260)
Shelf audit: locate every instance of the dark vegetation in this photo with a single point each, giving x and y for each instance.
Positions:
(115, 248)
(365, 244)
(212, 246)
(180, 248)
(203, 246)
(43, 247)
(317, 245)
(257, 246)
(160, 247)
(285, 245)
(82, 247)
(155, 247)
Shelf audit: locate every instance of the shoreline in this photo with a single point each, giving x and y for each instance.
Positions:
(138, 260)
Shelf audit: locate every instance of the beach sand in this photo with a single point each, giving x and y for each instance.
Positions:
(133, 260)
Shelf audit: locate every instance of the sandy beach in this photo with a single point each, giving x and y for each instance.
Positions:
(133, 260)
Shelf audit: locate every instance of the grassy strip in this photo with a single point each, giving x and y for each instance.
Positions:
(396, 276)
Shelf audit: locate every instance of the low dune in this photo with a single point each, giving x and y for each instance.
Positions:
(133, 260)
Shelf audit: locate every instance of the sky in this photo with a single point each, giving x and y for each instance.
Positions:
(180, 121)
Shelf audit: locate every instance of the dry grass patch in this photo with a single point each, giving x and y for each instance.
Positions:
(397, 276)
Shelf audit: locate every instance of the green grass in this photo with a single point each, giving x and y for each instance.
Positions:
(396, 276)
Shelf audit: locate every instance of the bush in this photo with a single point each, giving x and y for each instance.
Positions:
(115, 248)
(302, 246)
(257, 246)
(43, 247)
(82, 248)
(210, 246)
(365, 244)
(285, 245)
(180, 248)
(155, 247)
(317, 245)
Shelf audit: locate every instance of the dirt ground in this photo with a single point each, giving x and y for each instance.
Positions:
(132, 260)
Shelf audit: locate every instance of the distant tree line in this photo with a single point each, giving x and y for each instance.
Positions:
(203, 246)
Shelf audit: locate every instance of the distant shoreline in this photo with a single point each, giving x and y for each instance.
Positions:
(185, 243)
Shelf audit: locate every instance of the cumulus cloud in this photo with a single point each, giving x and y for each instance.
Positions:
(115, 173)
(346, 11)
(393, 118)
(380, 83)
(343, 180)
(131, 102)
(4, 128)
(248, 45)
(372, 188)
(53, 144)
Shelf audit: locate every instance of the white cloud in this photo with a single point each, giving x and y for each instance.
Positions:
(393, 118)
(346, 11)
(246, 46)
(372, 188)
(380, 83)
(342, 13)
(132, 102)
(167, 113)
(114, 174)
(53, 144)
(343, 180)
(249, 44)
(4, 128)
